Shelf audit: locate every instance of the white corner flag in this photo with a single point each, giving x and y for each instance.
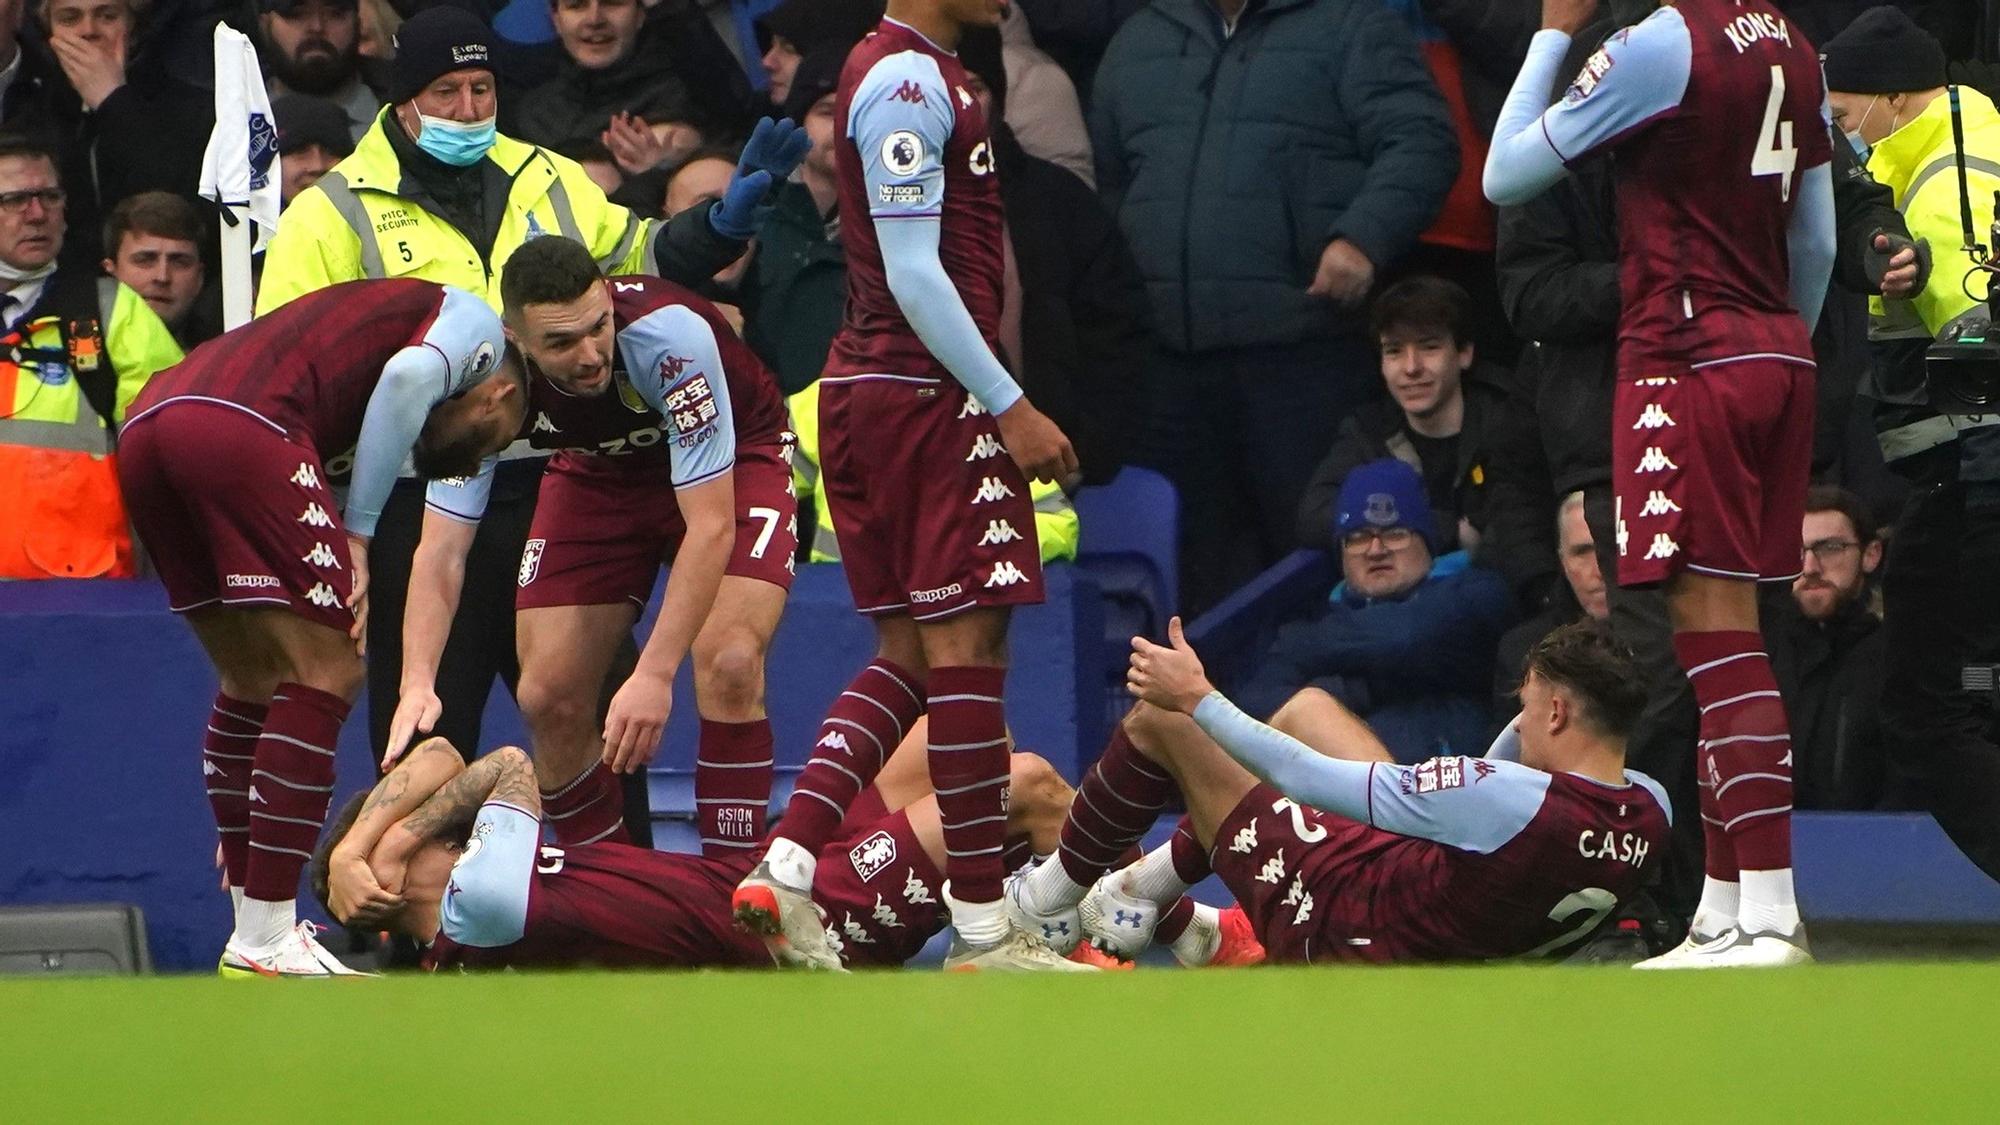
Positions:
(240, 168)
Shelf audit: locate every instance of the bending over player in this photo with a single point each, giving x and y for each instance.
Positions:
(673, 448)
(224, 463)
(452, 856)
(1338, 853)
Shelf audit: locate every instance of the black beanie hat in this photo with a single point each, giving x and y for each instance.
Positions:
(435, 42)
(1883, 52)
(818, 75)
(811, 24)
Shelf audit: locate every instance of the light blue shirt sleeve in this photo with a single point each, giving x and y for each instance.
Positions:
(1639, 74)
(462, 498)
(900, 121)
(462, 346)
(1810, 238)
(1507, 746)
(486, 901)
(675, 366)
(1468, 803)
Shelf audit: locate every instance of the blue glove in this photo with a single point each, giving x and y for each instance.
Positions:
(775, 148)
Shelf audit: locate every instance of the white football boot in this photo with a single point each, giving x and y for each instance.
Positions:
(297, 954)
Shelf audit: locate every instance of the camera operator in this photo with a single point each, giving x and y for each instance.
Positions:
(1887, 86)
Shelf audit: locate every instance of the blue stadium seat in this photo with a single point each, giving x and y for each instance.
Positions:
(1129, 542)
(1233, 635)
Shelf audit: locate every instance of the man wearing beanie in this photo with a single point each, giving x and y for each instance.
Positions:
(1406, 640)
(432, 191)
(1886, 82)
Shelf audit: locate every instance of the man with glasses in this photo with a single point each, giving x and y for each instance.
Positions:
(1828, 652)
(75, 350)
(1407, 639)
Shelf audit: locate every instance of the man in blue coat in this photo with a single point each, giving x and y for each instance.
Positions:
(1268, 160)
(1405, 642)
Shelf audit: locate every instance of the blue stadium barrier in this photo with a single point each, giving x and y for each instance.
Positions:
(1130, 543)
(1232, 636)
(105, 695)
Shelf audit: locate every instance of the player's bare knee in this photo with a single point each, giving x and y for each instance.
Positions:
(1154, 730)
(549, 702)
(1298, 711)
(1034, 785)
(729, 674)
(340, 675)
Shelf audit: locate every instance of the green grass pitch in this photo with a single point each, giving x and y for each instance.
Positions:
(1886, 1042)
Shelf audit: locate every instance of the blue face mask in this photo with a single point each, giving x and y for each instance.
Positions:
(455, 142)
(1862, 149)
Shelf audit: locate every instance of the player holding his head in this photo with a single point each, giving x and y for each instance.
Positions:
(223, 463)
(1339, 854)
(1718, 114)
(452, 856)
(673, 449)
(926, 447)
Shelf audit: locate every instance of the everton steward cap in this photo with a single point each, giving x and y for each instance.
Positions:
(1883, 52)
(435, 42)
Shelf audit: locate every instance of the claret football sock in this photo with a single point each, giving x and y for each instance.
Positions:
(228, 754)
(968, 756)
(1744, 765)
(1120, 798)
(732, 785)
(861, 730)
(290, 784)
(587, 809)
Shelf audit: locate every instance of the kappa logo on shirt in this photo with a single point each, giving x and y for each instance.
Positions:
(990, 489)
(971, 408)
(998, 532)
(985, 446)
(1655, 460)
(542, 424)
(1005, 574)
(1246, 838)
(1652, 418)
(1274, 869)
(908, 92)
(1657, 504)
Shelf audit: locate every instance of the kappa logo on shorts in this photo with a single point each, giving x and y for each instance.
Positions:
(1657, 504)
(1005, 574)
(1246, 838)
(1656, 381)
(1655, 460)
(926, 597)
(914, 891)
(322, 595)
(315, 516)
(873, 854)
(307, 476)
(1652, 418)
(1274, 869)
(1663, 547)
(885, 915)
(985, 446)
(970, 409)
(531, 560)
(1295, 892)
(998, 532)
(321, 555)
(856, 933)
(251, 582)
(990, 489)
(1305, 910)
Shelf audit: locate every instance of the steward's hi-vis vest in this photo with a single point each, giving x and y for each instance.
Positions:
(1056, 525)
(80, 357)
(357, 223)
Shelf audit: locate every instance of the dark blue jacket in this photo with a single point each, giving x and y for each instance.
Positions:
(1419, 669)
(1232, 162)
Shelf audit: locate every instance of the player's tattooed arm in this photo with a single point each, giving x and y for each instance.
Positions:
(396, 796)
(448, 813)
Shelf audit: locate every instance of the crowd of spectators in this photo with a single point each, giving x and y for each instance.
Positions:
(1245, 247)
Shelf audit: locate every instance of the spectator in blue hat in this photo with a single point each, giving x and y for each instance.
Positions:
(1407, 640)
